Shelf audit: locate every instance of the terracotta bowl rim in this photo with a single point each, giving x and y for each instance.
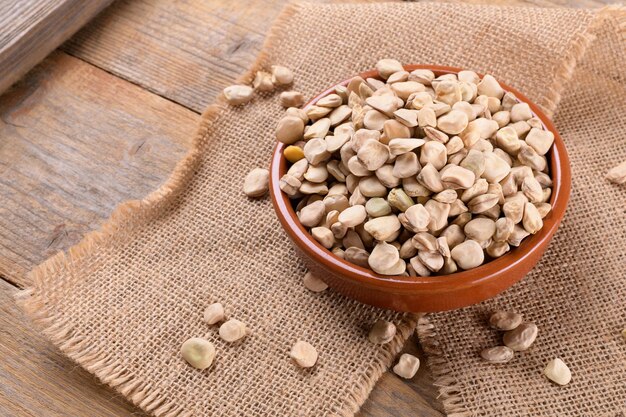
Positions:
(508, 263)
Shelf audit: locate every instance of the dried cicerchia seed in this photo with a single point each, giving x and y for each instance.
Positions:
(413, 174)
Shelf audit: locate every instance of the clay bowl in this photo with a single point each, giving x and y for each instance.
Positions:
(436, 293)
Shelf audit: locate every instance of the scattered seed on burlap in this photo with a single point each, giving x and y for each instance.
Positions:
(257, 182)
(617, 174)
(382, 332)
(198, 352)
(414, 154)
(214, 313)
(498, 354)
(232, 330)
(304, 354)
(522, 337)
(557, 371)
(313, 283)
(505, 320)
(238, 94)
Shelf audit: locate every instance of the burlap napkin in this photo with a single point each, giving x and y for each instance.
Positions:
(124, 299)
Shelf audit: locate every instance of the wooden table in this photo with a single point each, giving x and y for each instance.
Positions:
(102, 120)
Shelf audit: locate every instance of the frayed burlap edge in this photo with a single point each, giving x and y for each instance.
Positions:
(135, 213)
(450, 389)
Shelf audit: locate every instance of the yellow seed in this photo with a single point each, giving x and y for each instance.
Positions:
(293, 153)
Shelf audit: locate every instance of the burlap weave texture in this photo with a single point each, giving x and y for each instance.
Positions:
(125, 298)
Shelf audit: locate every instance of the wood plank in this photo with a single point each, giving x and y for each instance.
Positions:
(36, 380)
(203, 47)
(76, 142)
(394, 396)
(31, 29)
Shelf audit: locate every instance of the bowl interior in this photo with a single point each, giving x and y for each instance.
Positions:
(559, 172)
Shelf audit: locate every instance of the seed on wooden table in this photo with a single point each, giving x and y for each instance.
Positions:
(238, 94)
(407, 366)
(304, 354)
(557, 371)
(313, 283)
(521, 337)
(291, 99)
(505, 320)
(498, 354)
(256, 183)
(232, 330)
(382, 332)
(214, 313)
(198, 352)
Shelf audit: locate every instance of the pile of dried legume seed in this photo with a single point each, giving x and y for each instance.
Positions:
(419, 174)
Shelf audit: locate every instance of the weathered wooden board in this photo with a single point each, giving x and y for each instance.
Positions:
(201, 49)
(76, 142)
(189, 51)
(36, 380)
(31, 29)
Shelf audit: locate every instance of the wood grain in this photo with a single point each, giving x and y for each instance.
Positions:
(203, 47)
(397, 397)
(36, 380)
(31, 29)
(76, 142)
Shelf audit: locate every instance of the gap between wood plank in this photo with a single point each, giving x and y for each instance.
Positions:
(130, 81)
